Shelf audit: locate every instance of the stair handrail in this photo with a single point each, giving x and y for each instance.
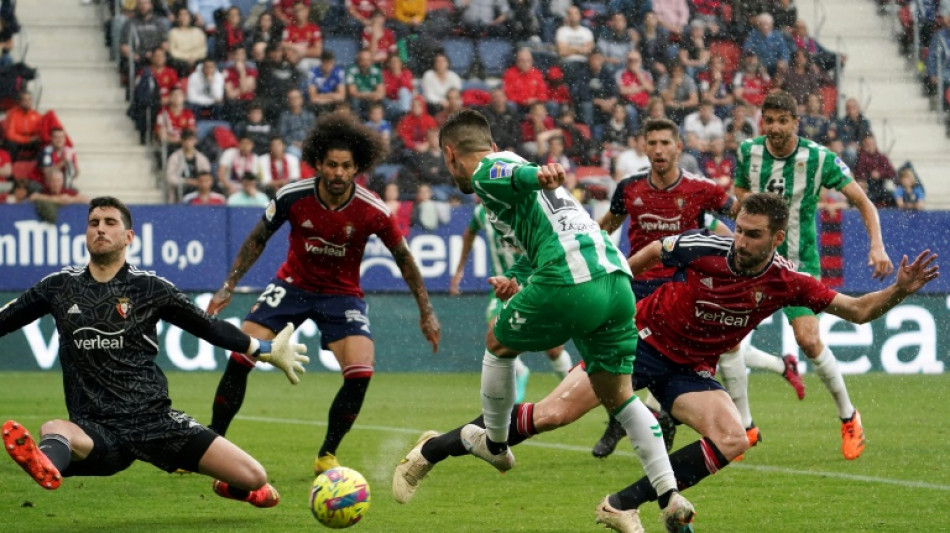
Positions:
(864, 93)
(916, 8)
(820, 15)
(888, 137)
(942, 52)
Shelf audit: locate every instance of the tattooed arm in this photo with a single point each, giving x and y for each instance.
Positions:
(250, 250)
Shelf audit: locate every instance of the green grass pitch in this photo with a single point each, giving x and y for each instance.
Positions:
(795, 481)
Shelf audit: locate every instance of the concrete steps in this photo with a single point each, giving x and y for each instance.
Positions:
(66, 45)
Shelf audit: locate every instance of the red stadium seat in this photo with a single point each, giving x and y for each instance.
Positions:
(729, 52)
(586, 172)
(829, 100)
(25, 170)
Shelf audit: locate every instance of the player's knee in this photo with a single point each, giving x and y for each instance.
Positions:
(811, 345)
(253, 475)
(732, 442)
(57, 426)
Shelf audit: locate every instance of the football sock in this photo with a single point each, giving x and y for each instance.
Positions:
(644, 433)
(756, 358)
(736, 380)
(498, 397)
(562, 364)
(827, 369)
(56, 447)
(520, 367)
(239, 494)
(230, 394)
(449, 444)
(346, 406)
(691, 464)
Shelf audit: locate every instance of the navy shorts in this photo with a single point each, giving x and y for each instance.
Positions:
(169, 440)
(337, 316)
(644, 288)
(665, 379)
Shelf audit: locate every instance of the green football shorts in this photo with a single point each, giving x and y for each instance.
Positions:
(597, 315)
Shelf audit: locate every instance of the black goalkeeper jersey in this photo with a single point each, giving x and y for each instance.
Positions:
(108, 339)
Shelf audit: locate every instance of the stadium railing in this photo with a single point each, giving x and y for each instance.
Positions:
(939, 95)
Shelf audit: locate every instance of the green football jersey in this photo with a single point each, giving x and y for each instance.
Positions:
(503, 255)
(799, 178)
(559, 239)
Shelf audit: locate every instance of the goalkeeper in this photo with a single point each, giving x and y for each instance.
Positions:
(116, 396)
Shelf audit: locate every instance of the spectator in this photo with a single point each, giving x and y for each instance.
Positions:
(6, 166)
(504, 122)
(635, 85)
(240, 86)
(768, 44)
(632, 159)
(401, 210)
(204, 12)
(824, 59)
(295, 122)
(21, 128)
(739, 127)
(361, 13)
(752, 83)
(277, 167)
(876, 169)
(852, 128)
(715, 88)
(479, 18)
(55, 192)
(655, 108)
(187, 44)
(56, 156)
(249, 195)
(378, 39)
(635, 10)
(616, 40)
(909, 193)
(165, 77)
(673, 15)
(173, 120)
(523, 23)
(614, 139)
(399, 87)
(785, 13)
(22, 192)
(364, 84)
(302, 40)
(453, 103)
(802, 79)
(234, 163)
(230, 35)
(556, 154)
(283, 10)
(429, 213)
(183, 166)
(679, 92)
(438, 81)
(832, 201)
(524, 84)
(713, 14)
(594, 93)
(377, 121)
(717, 164)
(152, 34)
(654, 44)
(9, 26)
(408, 16)
(574, 42)
(276, 77)
(268, 32)
(813, 125)
(206, 91)
(939, 48)
(427, 168)
(203, 195)
(558, 93)
(255, 127)
(536, 128)
(326, 84)
(701, 127)
(694, 52)
(413, 127)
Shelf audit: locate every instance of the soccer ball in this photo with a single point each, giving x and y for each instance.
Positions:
(339, 497)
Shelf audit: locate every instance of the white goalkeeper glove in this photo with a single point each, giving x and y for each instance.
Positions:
(284, 355)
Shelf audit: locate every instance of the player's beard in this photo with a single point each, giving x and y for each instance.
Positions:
(107, 256)
(748, 263)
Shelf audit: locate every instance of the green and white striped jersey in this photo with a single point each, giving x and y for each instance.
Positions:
(502, 255)
(799, 178)
(561, 242)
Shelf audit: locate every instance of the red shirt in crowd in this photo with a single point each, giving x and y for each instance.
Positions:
(521, 87)
(166, 78)
(412, 129)
(392, 83)
(308, 35)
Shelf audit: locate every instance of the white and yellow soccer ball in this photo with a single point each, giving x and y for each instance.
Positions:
(339, 497)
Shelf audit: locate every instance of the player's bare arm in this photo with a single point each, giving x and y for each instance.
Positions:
(468, 237)
(910, 279)
(644, 260)
(251, 249)
(610, 222)
(877, 256)
(551, 176)
(428, 322)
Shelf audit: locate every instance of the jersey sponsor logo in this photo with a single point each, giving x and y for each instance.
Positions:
(271, 210)
(325, 247)
(500, 169)
(720, 315)
(74, 310)
(124, 306)
(103, 340)
(669, 243)
(658, 223)
(843, 166)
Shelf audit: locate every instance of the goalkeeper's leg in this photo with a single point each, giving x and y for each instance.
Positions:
(229, 396)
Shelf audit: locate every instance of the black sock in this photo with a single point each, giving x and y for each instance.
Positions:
(689, 467)
(239, 494)
(449, 444)
(343, 412)
(56, 447)
(230, 394)
(495, 448)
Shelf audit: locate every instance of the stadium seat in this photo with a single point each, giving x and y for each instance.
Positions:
(544, 59)
(387, 172)
(460, 52)
(244, 5)
(729, 52)
(829, 100)
(495, 55)
(202, 127)
(344, 49)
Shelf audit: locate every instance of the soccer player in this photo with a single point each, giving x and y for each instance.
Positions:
(331, 218)
(502, 256)
(793, 167)
(723, 288)
(575, 285)
(116, 396)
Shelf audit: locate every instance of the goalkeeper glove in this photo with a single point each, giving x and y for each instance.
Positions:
(284, 355)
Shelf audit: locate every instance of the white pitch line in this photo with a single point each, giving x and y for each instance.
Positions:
(586, 450)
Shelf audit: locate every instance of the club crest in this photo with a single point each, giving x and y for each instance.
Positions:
(124, 307)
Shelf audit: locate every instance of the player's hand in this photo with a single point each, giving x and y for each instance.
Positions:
(878, 259)
(284, 355)
(455, 282)
(911, 278)
(219, 301)
(551, 176)
(504, 288)
(431, 329)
